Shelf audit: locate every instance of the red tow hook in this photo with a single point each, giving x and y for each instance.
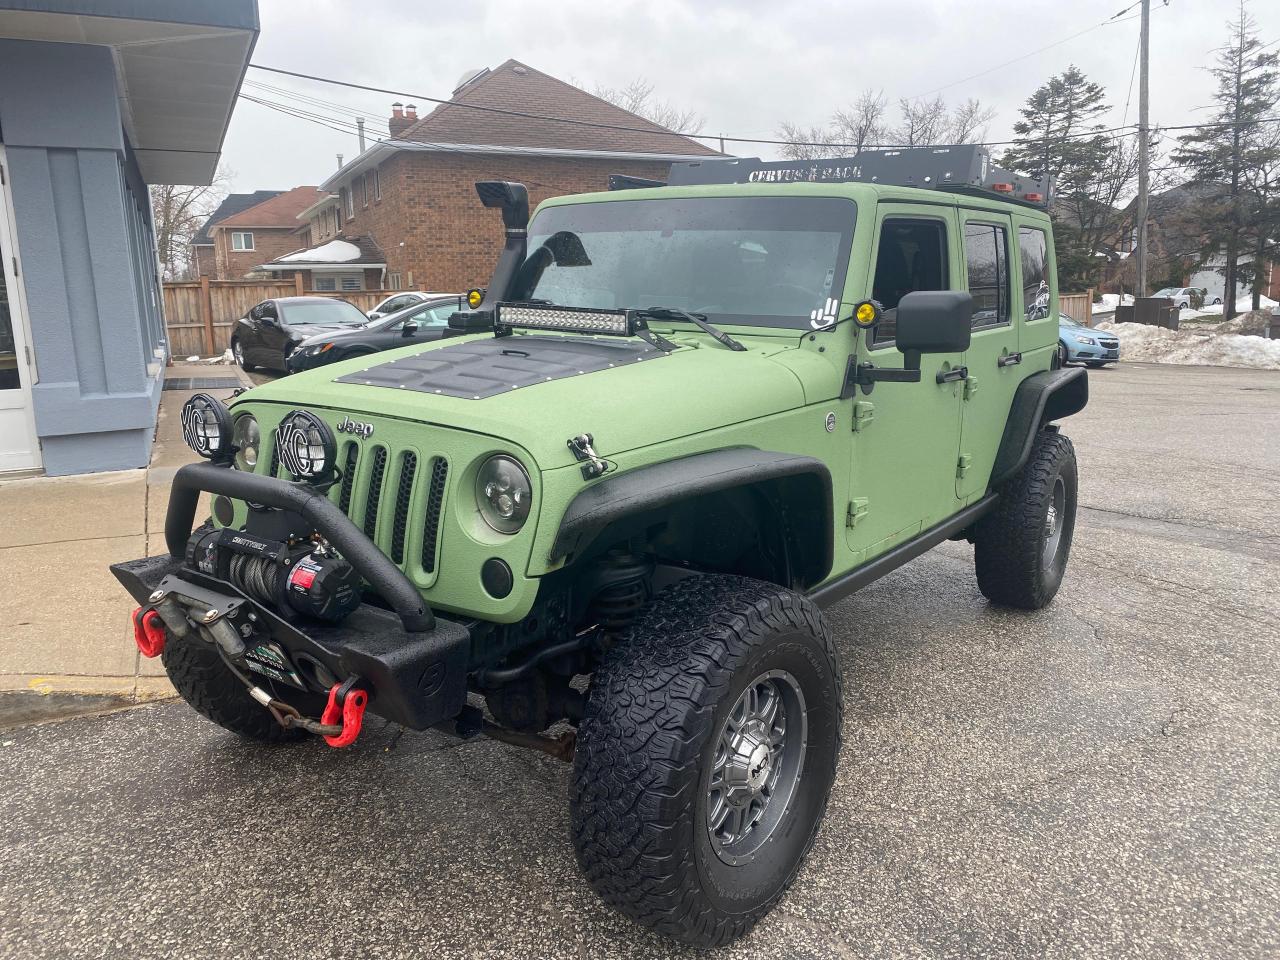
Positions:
(346, 700)
(148, 632)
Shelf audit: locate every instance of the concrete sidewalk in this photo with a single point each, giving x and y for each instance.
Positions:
(66, 620)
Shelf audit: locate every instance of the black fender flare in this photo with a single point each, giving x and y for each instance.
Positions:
(1041, 398)
(649, 489)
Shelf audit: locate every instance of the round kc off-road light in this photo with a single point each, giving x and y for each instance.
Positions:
(503, 493)
(206, 426)
(248, 441)
(866, 314)
(306, 446)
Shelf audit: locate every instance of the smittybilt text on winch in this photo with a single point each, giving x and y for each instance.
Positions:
(680, 419)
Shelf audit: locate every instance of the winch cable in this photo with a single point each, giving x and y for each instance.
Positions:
(285, 714)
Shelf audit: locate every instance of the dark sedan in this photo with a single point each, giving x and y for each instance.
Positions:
(419, 323)
(272, 330)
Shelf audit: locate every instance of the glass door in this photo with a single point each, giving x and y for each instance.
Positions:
(19, 449)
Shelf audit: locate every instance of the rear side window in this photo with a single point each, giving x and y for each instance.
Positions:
(912, 256)
(986, 254)
(1033, 251)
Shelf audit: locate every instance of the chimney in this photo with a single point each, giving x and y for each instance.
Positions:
(398, 122)
(411, 111)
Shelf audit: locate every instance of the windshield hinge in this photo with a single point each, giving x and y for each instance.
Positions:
(962, 464)
(858, 509)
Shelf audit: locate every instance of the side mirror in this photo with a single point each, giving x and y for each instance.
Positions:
(374, 315)
(409, 329)
(933, 321)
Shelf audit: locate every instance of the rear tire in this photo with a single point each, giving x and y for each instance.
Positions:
(1063, 355)
(1020, 548)
(203, 680)
(705, 757)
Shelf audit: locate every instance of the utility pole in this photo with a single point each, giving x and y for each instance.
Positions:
(1144, 151)
(360, 132)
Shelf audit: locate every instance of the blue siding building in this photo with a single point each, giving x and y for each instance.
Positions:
(98, 99)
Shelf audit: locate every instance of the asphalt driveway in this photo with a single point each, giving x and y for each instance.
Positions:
(1099, 779)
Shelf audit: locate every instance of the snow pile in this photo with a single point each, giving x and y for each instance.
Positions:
(1140, 341)
(335, 251)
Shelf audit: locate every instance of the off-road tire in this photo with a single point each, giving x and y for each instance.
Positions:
(1009, 546)
(203, 680)
(647, 743)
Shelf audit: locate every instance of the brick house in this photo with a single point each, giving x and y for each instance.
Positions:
(202, 258)
(234, 243)
(412, 198)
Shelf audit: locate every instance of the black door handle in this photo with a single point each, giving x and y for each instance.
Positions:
(952, 375)
(1008, 360)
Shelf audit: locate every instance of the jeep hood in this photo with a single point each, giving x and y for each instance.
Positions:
(540, 390)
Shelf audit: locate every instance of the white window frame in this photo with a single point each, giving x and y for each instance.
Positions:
(377, 184)
(364, 190)
(324, 284)
(238, 242)
(349, 200)
(393, 281)
(348, 282)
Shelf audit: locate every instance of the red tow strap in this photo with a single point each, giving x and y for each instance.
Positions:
(148, 632)
(348, 707)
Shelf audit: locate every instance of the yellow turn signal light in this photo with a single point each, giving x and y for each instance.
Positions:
(867, 314)
(475, 298)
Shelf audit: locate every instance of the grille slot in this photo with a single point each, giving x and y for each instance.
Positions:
(376, 476)
(404, 491)
(435, 499)
(275, 459)
(349, 463)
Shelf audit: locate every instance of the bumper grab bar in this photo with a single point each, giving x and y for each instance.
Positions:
(336, 527)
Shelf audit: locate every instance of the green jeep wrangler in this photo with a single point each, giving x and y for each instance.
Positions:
(604, 518)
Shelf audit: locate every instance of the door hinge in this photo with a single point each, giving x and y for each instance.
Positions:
(962, 465)
(970, 387)
(858, 508)
(864, 411)
(2, 180)
(15, 266)
(26, 350)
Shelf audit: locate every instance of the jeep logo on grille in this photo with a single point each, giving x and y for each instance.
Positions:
(356, 427)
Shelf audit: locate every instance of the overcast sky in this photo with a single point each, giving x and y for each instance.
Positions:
(744, 65)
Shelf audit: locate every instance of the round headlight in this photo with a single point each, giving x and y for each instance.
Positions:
(248, 439)
(206, 426)
(306, 446)
(503, 493)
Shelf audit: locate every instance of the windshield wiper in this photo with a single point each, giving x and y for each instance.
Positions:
(697, 319)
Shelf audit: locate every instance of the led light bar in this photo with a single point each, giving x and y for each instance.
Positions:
(534, 316)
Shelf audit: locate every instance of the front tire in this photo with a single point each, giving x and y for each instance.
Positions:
(237, 351)
(203, 680)
(1020, 548)
(705, 757)
(1063, 355)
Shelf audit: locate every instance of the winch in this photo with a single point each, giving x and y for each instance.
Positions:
(299, 576)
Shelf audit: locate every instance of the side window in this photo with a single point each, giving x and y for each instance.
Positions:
(267, 311)
(986, 255)
(439, 316)
(1033, 251)
(912, 256)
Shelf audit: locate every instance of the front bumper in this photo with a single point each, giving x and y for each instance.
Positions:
(299, 360)
(417, 679)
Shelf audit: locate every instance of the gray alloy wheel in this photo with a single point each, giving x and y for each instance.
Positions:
(759, 755)
(1053, 521)
(237, 351)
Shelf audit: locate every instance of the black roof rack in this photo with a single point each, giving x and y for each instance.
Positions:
(961, 168)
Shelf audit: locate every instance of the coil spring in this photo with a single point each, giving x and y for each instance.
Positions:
(256, 576)
(616, 605)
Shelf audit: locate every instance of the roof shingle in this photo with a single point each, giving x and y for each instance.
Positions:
(231, 204)
(518, 87)
(279, 211)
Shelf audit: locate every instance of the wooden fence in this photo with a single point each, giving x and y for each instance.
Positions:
(1077, 306)
(199, 314)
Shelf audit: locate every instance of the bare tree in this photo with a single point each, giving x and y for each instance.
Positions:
(178, 212)
(862, 123)
(865, 124)
(637, 97)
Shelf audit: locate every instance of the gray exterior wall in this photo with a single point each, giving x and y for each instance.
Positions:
(87, 257)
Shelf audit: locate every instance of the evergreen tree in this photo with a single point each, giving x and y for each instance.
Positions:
(1236, 152)
(1059, 134)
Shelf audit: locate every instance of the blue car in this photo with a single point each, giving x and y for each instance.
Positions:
(1081, 344)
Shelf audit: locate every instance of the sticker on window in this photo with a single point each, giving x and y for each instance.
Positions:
(825, 315)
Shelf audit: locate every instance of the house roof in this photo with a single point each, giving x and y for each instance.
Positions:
(279, 211)
(344, 253)
(231, 204)
(515, 86)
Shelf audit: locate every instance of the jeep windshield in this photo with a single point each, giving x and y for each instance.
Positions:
(759, 261)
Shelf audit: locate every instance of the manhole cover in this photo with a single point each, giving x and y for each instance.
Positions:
(201, 383)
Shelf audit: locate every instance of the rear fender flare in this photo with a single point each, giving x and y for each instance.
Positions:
(1041, 398)
(803, 484)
